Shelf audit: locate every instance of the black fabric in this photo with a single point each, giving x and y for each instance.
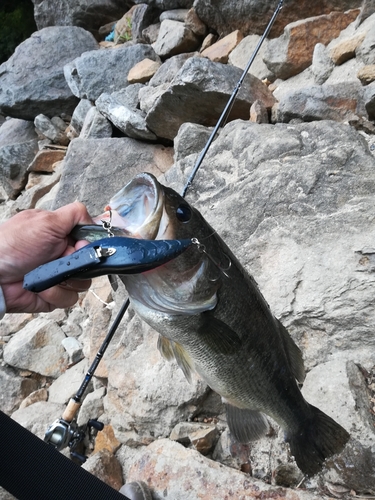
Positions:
(31, 469)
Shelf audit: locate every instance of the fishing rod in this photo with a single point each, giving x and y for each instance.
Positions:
(65, 432)
(224, 116)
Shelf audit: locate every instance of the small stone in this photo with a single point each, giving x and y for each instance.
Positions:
(95, 125)
(175, 38)
(66, 386)
(204, 439)
(219, 51)
(106, 440)
(143, 71)
(47, 129)
(208, 41)
(345, 50)
(45, 159)
(258, 112)
(367, 74)
(123, 28)
(73, 348)
(151, 33)
(174, 15)
(193, 22)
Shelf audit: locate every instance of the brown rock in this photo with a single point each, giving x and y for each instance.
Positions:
(143, 71)
(34, 397)
(106, 440)
(345, 50)
(193, 22)
(291, 53)
(258, 113)
(219, 51)
(105, 466)
(123, 28)
(45, 159)
(208, 41)
(205, 439)
(367, 74)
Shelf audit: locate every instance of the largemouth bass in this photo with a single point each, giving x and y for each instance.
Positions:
(213, 320)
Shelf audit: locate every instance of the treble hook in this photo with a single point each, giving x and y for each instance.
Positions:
(108, 225)
(202, 248)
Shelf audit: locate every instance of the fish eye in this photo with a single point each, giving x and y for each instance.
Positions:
(183, 213)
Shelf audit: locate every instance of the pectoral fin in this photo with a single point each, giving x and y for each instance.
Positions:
(218, 335)
(173, 351)
(246, 425)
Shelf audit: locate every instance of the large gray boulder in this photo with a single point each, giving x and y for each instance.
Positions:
(18, 146)
(32, 80)
(100, 71)
(95, 169)
(252, 16)
(90, 15)
(199, 93)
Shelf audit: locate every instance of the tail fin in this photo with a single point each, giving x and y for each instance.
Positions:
(320, 438)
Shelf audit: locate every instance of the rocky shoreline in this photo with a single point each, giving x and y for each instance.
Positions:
(289, 184)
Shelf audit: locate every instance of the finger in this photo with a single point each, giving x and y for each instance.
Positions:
(76, 285)
(71, 215)
(61, 297)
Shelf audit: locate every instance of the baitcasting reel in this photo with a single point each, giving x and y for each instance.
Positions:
(62, 434)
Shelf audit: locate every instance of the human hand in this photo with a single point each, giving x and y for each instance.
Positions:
(30, 239)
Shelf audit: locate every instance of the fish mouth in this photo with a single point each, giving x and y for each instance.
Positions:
(136, 210)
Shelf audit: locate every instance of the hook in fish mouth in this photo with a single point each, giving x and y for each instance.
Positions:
(135, 211)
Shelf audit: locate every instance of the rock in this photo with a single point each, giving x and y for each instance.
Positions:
(241, 54)
(38, 417)
(14, 389)
(108, 157)
(220, 51)
(45, 159)
(70, 13)
(174, 15)
(78, 118)
(67, 385)
(338, 102)
(169, 69)
(175, 38)
(143, 17)
(345, 50)
(322, 65)
(168, 4)
(209, 40)
(143, 71)
(73, 348)
(365, 52)
(191, 139)
(95, 125)
(37, 347)
(18, 146)
(106, 440)
(367, 74)
(34, 397)
(13, 322)
(151, 33)
(101, 71)
(204, 439)
(258, 113)
(30, 197)
(123, 28)
(92, 407)
(292, 52)
(105, 466)
(131, 122)
(193, 22)
(369, 100)
(47, 129)
(345, 398)
(196, 89)
(173, 471)
(251, 16)
(230, 453)
(26, 94)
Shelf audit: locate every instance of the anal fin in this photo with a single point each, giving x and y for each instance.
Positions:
(246, 425)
